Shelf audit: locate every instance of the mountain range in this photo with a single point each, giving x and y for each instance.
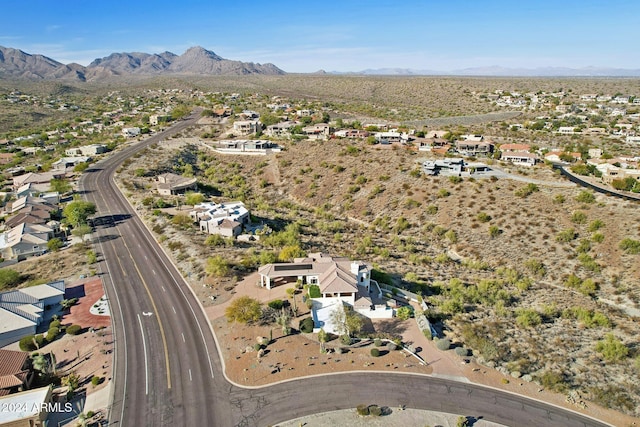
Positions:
(15, 63)
(497, 71)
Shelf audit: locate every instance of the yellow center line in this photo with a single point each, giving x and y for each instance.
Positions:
(155, 310)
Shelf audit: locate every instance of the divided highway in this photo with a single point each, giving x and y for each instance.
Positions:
(167, 368)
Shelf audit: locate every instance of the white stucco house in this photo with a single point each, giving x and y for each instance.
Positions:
(226, 219)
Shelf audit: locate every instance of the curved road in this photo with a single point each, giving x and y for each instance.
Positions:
(167, 368)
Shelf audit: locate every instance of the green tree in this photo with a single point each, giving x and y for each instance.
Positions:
(81, 231)
(59, 185)
(289, 252)
(193, 198)
(243, 310)
(322, 338)
(77, 212)
(54, 245)
(217, 266)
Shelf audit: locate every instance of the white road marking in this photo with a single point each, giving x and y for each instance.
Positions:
(164, 289)
(183, 340)
(174, 310)
(190, 377)
(146, 363)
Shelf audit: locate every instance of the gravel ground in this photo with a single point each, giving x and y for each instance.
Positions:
(398, 418)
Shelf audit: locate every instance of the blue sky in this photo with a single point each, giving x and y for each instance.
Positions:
(333, 35)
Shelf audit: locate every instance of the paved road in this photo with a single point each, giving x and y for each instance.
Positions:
(168, 371)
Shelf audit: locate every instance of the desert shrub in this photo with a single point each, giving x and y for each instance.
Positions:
(314, 291)
(404, 313)
(306, 325)
(494, 231)
(257, 346)
(612, 349)
(375, 410)
(74, 329)
(630, 246)
(9, 278)
(432, 209)
(276, 304)
(28, 343)
(483, 217)
(595, 225)
(40, 341)
(461, 351)
(579, 217)
(377, 342)
(375, 352)
(362, 410)
(52, 334)
(566, 236)
(95, 380)
(443, 344)
(455, 179)
(585, 197)
(553, 381)
(55, 324)
(527, 318)
(527, 190)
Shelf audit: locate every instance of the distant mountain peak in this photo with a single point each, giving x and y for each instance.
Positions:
(196, 60)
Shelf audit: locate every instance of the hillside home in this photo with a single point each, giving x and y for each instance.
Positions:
(351, 133)
(514, 147)
(68, 163)
(567, 130)
(555, 156)
(279, 130)
(226, 219)
(446, 166)
(155, 119)
(130, 132)
(391, 137)
(521, 158)
(472, 148)
(86, 150)
(25, 240)
(246, 127)
(247, 145)
(169, 184)
(319, 131)
(40, 179)
(632, 139)
(340, 281)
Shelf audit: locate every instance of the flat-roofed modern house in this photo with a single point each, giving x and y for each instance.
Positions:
(446, 166)
(86, 150)
(522, 158)
(32, 406)
(246, 127)
(226, 219)
(473, 148)
(320, 131)
(169, 184)
(130, 132)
